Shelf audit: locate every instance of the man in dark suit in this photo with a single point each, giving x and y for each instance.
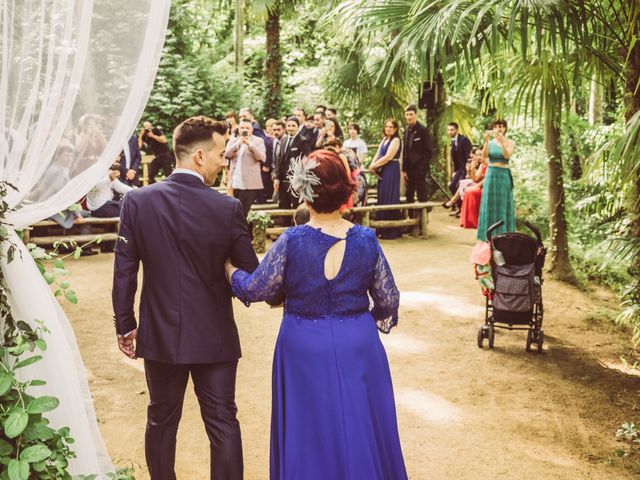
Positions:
(183, 231)
(294, 145)
(130, 160)
(416, 156)
(460, 150)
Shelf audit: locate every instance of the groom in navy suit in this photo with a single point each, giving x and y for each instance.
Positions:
(183, 231)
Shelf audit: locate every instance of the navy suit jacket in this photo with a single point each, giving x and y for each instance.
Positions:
(460, 154)
(136, 157)
(182, 231)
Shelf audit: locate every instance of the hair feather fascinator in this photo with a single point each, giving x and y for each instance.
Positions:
(302, 178)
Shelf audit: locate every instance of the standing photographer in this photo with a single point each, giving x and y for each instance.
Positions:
(155, 141)
(245, 153)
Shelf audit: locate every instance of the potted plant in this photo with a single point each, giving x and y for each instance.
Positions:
(259, 221)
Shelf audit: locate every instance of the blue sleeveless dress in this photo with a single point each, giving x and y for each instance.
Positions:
(333, 410)
(389, 190)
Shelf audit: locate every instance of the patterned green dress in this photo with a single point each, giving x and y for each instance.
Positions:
(497, 196)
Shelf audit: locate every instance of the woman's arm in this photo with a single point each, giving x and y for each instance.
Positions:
(391, 152)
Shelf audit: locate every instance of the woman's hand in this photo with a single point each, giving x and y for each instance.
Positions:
(487, 136)
(229, 269)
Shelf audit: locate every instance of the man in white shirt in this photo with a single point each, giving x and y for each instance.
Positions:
(100, 200)
(245, 152)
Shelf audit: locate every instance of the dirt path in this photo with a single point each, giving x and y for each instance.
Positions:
(464, 413)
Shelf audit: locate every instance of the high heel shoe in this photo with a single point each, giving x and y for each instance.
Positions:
(446, 205)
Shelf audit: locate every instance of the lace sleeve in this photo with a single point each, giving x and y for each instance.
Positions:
(267, 280)
(385, 295)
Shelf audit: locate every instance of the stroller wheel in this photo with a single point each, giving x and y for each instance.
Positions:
(540, 340)
(491, 336)
(529, 340)
(481, 335)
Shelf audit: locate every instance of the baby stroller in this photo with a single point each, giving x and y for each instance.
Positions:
(515, 303)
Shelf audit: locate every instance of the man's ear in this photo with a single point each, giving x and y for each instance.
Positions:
(198, 157)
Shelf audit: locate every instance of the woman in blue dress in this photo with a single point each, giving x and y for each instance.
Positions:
(386, 164)
(333, 411)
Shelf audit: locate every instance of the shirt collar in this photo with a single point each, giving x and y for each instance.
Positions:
(188, 172)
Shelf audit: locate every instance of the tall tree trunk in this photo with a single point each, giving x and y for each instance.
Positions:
(559, 263)
(575, 163)
(596, 100)
(273, 67)
(440, 159)
(239, 35)
(632, 81)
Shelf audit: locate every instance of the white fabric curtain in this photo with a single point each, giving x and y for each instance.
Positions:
(75, 76)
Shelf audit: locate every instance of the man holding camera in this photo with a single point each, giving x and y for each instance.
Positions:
(245, 152)
(156, 142)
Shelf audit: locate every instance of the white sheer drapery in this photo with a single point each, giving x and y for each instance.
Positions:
(75, 76)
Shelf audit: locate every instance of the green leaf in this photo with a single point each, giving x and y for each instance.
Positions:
(15, 423)
(28, 361)
(41, 344)
(49, 277)
(18, 470)
(37, 383)
(39, 431)
(35, 453)
(77, 253)
(58, 292)
(64, 285)
(59, 263)
(71, 296)
(5, 448)
(42, 404)
(6, 379)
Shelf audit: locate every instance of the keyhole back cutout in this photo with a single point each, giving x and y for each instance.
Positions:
(333, 259)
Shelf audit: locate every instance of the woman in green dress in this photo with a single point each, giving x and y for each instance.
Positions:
(497, 192)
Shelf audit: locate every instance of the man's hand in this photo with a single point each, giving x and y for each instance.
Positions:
(141, 132)
(230, 191)
(244, 140)
(406, 176)
(131, 174)
(127, 345)
(276, 185)
(265, 169)
(113, 174)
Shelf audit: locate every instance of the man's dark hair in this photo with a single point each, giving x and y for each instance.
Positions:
(332, 109)
(320, 113)
(293, 118)
(411, 108)
(280, 123)
(298, 109)
(323, 107)
(194, 131)
(233, 114)
(355, 126)
(246, 120)
(454, 125)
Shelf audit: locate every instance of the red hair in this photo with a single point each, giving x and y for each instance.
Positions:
(336, 185)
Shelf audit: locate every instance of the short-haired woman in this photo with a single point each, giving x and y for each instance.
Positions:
(497, 192)
(333, 410)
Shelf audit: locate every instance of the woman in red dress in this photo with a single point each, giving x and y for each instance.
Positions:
(471, 200)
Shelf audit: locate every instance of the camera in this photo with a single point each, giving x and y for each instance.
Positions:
(244, 133)
(115, 167)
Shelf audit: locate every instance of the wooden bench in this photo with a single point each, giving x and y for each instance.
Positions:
(363, 215)
(106, 228)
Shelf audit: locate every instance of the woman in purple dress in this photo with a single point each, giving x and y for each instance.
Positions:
(333, 410)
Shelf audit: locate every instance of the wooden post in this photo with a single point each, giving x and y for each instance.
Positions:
(365, 219)
(424, 221)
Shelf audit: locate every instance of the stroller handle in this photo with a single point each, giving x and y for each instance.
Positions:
(535, 231)
(494, 227)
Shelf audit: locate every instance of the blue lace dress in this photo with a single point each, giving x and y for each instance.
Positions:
(333, 411)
